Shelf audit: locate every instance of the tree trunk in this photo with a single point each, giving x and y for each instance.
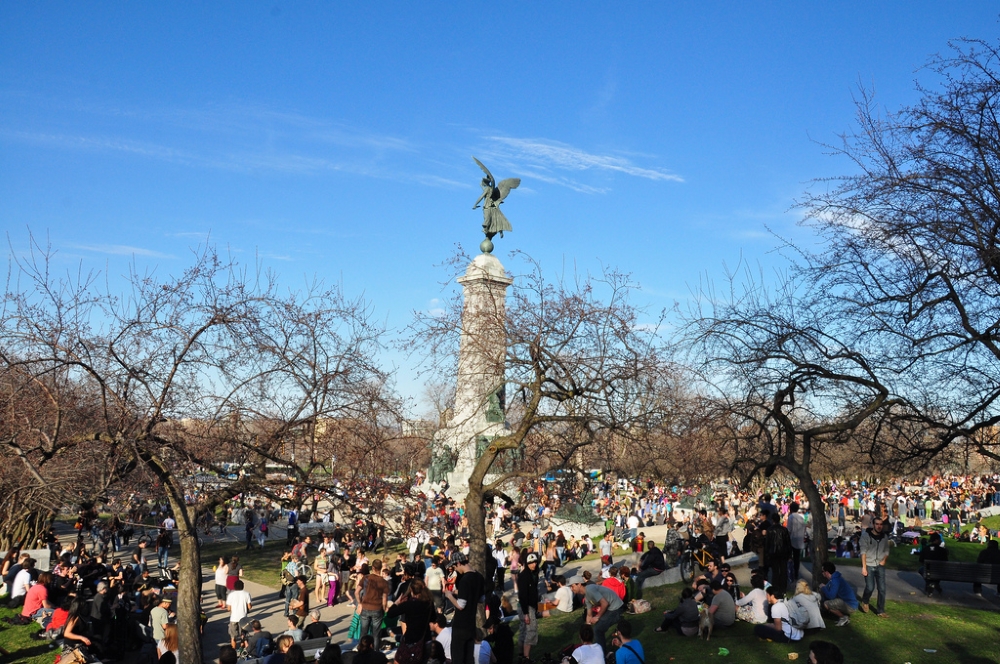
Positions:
(474, 510)
(817, 509)
(23, 528)
(189, 585)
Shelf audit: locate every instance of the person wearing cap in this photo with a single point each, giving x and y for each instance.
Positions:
(470, 587)
(159, 617)
(602, 606)
(527, 598)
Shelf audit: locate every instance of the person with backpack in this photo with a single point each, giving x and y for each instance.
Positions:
(259, 642)
(781, 629)
(777, 552)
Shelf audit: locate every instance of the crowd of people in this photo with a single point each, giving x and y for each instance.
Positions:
(417, 603)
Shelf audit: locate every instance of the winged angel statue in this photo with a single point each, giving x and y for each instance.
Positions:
(494, 194)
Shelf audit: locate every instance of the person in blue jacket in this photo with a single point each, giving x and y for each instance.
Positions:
(839, 598)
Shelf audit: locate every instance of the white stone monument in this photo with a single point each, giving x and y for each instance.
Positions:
(478, 415)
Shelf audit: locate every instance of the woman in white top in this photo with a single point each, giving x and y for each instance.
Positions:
(750, 607)
(221, 572)
(589, 652)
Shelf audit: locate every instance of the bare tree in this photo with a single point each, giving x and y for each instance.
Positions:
(788, 383)
(184, 372)
(912, 254)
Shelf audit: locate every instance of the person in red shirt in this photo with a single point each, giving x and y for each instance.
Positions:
(36, 602)
(614, 583)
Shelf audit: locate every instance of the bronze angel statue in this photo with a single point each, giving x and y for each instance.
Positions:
(494, 194)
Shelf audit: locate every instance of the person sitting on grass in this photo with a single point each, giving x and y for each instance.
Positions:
(587, 652)
(780, 629)
(810, 601)
(839, 598)
(751, 607)
(563, 597)
(723, 608)
(684, 618)
(631, 651)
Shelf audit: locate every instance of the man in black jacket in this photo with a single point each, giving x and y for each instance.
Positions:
(470, 587)
(651, 564)
(777, 552)
(527, 598)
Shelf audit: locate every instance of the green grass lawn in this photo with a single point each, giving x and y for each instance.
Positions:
(958, 635)
(900, 558)
(258, 566)
(18, 642)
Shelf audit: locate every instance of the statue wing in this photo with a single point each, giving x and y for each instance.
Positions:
(485, 170)
(506, 185)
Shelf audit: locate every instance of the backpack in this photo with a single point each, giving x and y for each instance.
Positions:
(639, 606)
(798, 615)
(265, 646)
(779, 543)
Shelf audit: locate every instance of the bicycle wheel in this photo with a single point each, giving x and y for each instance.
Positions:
(687, 566)
(308, 572)
(145, 539)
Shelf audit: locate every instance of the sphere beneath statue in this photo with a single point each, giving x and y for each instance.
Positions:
(486, 246)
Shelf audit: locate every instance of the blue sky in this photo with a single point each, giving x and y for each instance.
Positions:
(335, 139)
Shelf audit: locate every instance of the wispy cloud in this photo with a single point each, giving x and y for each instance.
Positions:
(120, 250)
(547, 156)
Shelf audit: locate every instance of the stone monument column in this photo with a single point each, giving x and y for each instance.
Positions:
(478, 415)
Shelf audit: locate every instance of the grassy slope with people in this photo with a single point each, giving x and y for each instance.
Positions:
(900, 557)
(956, 634)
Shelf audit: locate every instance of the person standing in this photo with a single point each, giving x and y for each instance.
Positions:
(301, 604)
(797, 534)
(603, 607)
(874, 547)
(631, 651)
(239, 604)
(470, 588)
(372, 595)
(527, 601)
(163, 541)
(778, 550)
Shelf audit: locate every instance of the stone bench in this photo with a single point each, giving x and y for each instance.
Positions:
(309, 646)
(673, 574)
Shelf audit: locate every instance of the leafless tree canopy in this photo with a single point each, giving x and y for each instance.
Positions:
(178, 375)
(912, 258)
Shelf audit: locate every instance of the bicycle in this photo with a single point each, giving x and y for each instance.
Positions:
(694, 560)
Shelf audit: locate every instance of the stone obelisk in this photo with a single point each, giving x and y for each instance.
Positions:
(478, 415)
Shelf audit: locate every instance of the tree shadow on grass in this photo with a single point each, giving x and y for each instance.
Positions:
(27, 653)
(963, 655)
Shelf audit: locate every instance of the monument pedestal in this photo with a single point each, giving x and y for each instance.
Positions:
(478, 415)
